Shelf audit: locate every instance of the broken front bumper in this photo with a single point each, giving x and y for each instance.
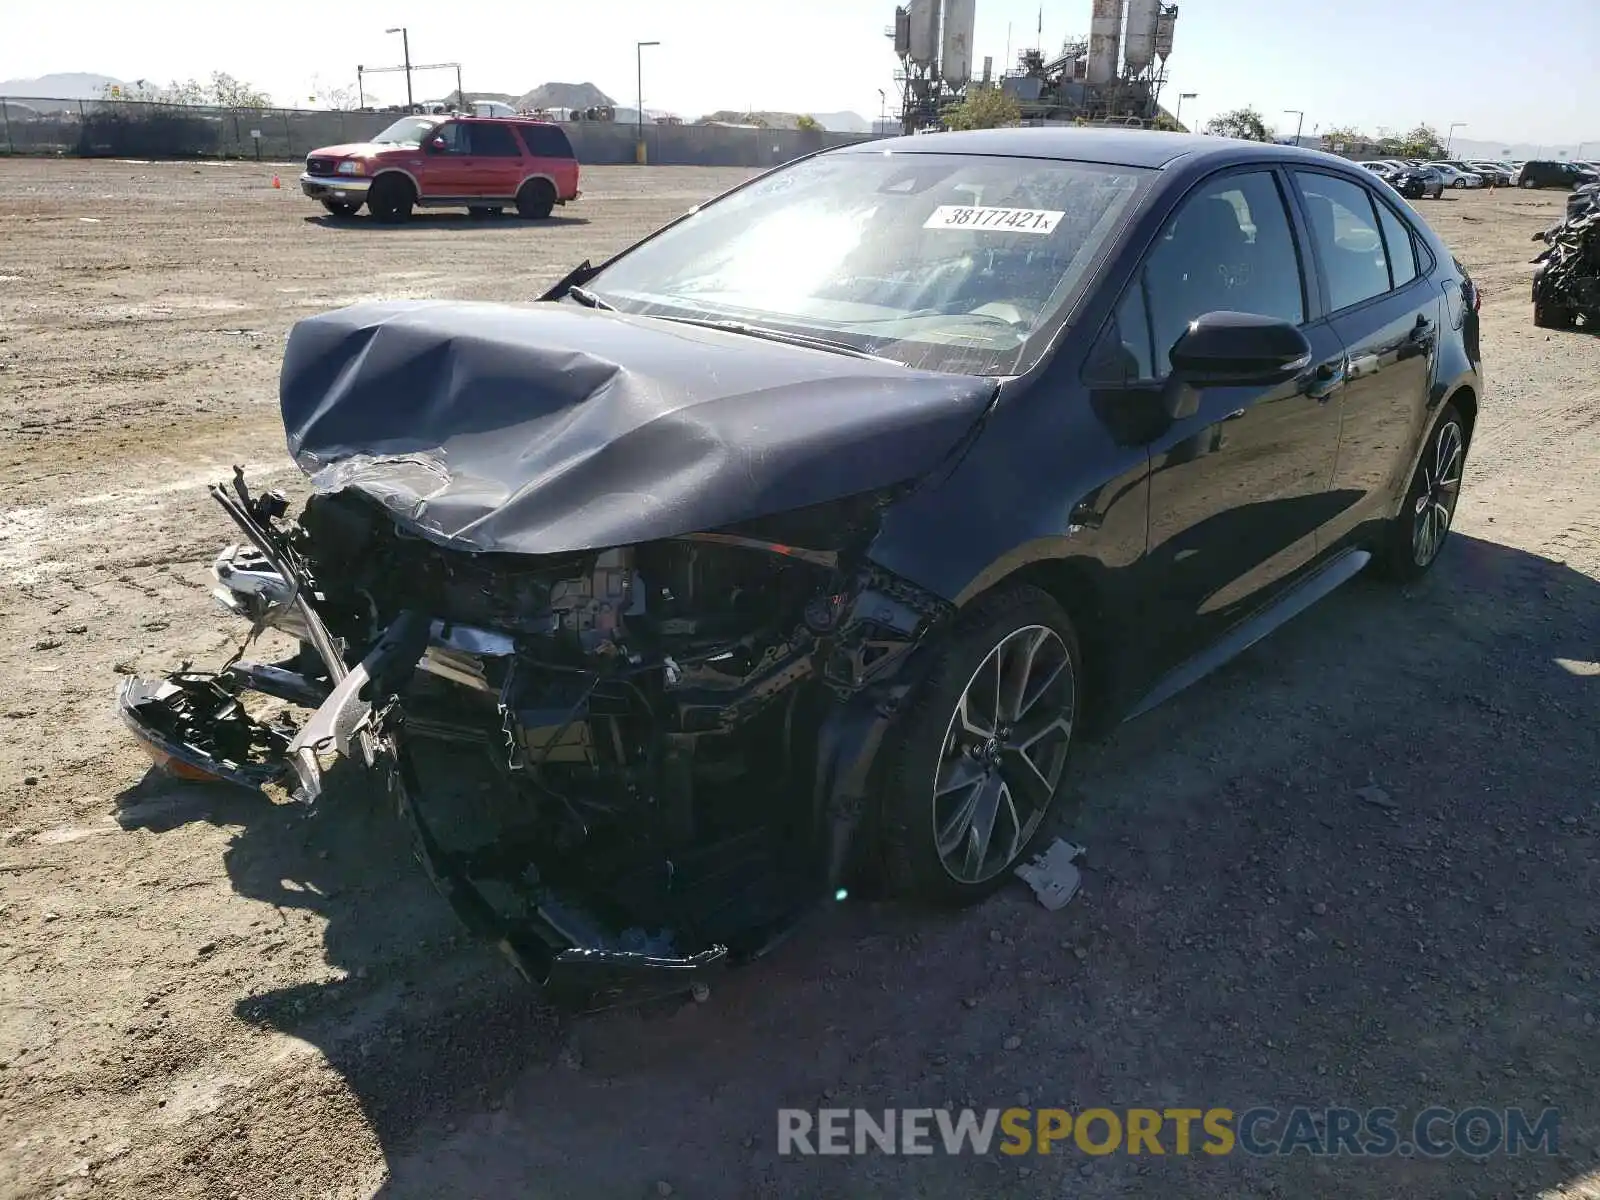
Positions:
(194, 726)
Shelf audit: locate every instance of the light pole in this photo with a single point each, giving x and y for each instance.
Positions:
(883, 111)
(1450, 137)
(405, 42)
(1177, 117)
(638, 52)
(1299, 125)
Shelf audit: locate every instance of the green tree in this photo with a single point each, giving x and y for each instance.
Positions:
(1167, 123)
(1422, 142)
(1244, 123)
(809, 124)
(227, 92)
(984, 108)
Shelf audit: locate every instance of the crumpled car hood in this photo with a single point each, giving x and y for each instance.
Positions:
(546, 428)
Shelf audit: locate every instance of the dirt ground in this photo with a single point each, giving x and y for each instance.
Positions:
(203, 994)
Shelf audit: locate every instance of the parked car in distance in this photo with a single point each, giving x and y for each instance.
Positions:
(481, 164)
(1416, 183)
(806, 538)
(1455, 177)
(1540, 173)
(1493, 173)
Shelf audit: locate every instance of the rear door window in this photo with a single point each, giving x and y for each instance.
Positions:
(1399, 247)
(1344, 227)
(494, 141)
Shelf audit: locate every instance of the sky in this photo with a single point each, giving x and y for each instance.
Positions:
(1510, 70)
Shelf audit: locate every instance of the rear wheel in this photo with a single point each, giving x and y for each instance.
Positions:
(977, 760)
(1527, 183)
(342, 208)
(1417, 534)
(1551, 316)
(391, 198)
(536, 200)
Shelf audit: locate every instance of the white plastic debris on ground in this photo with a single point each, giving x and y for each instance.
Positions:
(1053, 875)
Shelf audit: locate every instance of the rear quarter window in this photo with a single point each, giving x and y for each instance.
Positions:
(546, 141)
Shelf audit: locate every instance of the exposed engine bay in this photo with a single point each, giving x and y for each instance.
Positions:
(626, 766)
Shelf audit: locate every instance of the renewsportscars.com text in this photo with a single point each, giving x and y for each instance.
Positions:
(1373, 1132)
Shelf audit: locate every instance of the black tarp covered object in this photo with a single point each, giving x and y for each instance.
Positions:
(545, 428)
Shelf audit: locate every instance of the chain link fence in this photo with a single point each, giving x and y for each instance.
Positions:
(141, 129)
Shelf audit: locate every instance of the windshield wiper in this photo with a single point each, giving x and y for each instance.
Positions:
(588, 299)
(778, 335)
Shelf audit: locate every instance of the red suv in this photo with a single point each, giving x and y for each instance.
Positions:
(479, 163)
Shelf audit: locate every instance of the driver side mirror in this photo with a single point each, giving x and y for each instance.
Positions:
(1230, 349)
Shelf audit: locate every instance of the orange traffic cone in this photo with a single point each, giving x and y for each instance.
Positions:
(276, 182)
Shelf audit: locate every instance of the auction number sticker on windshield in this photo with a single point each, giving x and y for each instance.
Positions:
(1001, 220)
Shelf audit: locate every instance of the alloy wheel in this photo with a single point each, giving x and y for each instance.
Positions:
(1004, 752)
(1436, 502)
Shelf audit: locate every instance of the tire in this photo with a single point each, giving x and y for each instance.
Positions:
(1406, 554)
(948, 735)
(1551, 316)
(1527, 183)
(391, 198)
(341, 208)
(536, 200)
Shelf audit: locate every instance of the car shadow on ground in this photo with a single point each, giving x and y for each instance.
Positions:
(454, 221)
(1355, 867)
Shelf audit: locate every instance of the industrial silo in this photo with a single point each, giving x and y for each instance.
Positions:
(1164, 24)
(924, 32)
(1105, 30)
(955, 61)
(1139, 39)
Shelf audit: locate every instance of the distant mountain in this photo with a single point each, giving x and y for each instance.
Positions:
(65, 85)
(564, 95)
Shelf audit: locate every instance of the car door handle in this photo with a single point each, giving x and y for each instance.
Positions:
(1326, 380)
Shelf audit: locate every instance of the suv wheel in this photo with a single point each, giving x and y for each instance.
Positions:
(391, 198)
(536, 200)
(978, 758)
(1414, 538)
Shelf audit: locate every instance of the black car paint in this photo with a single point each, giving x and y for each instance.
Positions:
(548, 428)
(1048, 487)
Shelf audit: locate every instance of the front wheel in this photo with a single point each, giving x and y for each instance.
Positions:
(391, 198)
(1460, 183)
(1414, 538)
(977, 760)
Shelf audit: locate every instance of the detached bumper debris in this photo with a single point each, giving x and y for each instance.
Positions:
(1566, 287)
(1054, 875)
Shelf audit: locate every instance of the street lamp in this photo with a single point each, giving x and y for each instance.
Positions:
(405, 41)
(638, 52)
(1177, 117)
(1450, 137)
(1299, 125)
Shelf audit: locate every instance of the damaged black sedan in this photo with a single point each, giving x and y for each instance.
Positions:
(799, 544)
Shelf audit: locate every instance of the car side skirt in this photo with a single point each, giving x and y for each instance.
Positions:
(1241, 637)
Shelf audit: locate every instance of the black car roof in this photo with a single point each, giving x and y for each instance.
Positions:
(1118, 147)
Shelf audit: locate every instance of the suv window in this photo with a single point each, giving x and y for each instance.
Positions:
(1344, 227)
(493, 141)
(1228, 247)
(546, 141)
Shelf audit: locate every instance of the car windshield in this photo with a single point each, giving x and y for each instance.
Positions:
(408, 131)
(943, 262)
